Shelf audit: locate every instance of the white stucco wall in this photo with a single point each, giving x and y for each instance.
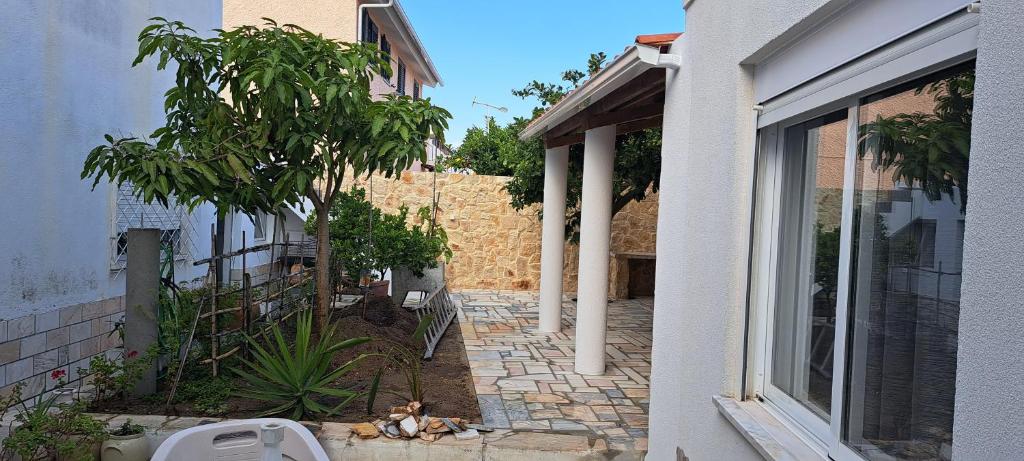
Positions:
(709, 148)
(67, 79)
(990, 374)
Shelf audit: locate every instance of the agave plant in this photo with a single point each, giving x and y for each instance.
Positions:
(295, 379)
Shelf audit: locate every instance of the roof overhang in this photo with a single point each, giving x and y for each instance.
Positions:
(394, 23)
(629, 92)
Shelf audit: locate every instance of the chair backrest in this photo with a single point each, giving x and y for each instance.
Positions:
(239, 440)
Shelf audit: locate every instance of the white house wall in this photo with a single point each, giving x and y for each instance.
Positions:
(705, 214)
(988, 419)
(67, 80)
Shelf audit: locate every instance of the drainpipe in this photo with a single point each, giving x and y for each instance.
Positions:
(362, 9)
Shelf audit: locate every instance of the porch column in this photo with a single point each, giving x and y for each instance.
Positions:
(595, 234)
(552, 257)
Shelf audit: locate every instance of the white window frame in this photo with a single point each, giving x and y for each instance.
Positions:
(948, 42)
(259, 226)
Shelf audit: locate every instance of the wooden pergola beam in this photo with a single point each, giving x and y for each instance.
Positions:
(649, 85)
(620, 129)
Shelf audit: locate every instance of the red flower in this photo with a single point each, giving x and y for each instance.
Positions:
(132, 354)
(57, 374)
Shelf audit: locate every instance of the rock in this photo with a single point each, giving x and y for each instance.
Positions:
(402, 410)
(423, 422)
(390, 430)
(468, 434)
(436, 426)
(479, 427)
(398, 416)
(414, 408)
(409, 427)
(451, 424)
(429, 437)
(366, 431)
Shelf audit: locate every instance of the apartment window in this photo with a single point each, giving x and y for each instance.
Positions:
(416, 89)
(370, 30)
(401, 78)
(857, 265)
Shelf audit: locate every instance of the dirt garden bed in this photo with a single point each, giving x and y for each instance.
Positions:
(447, 379)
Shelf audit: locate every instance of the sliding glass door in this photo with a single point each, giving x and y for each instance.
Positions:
(865, 226)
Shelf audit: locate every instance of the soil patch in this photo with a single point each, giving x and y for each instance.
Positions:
(446, 377)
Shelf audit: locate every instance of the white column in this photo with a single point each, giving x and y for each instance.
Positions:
(595, 233)
(552, 257)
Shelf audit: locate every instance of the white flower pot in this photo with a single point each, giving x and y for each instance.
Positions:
(133, 447)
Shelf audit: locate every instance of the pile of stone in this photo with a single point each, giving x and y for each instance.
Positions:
(408, 423)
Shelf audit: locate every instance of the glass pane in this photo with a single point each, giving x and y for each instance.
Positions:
(911, 190)
(805, 312)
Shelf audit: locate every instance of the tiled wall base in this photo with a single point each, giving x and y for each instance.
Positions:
(33, 346)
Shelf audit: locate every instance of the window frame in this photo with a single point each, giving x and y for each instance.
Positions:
(846, 93)
(259, 226)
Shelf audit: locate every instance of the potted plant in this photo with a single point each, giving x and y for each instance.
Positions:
(126, 443)
(49, 430)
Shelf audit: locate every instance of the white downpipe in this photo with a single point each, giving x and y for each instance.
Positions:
(362, 9)
(552, 256)
(595, 235)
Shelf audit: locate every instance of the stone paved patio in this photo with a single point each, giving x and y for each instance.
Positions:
(525, 380)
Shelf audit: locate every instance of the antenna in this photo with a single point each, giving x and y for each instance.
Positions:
(497, 108)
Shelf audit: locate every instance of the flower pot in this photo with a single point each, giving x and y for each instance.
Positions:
(133, 447)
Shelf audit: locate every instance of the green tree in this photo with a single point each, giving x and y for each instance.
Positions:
(497, 150)
(930, 151)
(262, 117)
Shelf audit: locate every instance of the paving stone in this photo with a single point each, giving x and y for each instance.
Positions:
(526, 380)
(566, 425)
(492, 409)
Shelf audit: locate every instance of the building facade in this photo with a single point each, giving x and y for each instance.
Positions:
(68, 80)
(382, 23)
(860, 306)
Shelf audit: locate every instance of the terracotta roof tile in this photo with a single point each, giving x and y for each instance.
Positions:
(657, 39)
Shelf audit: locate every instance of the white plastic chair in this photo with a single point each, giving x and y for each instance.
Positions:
(243, 440)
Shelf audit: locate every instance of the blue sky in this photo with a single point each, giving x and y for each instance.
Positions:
(485, 48)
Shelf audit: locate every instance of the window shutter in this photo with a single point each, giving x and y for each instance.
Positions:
(370, 31)
(385, 46)
(401, 77)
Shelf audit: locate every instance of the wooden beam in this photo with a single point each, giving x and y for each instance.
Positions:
(620, 129)
(638, 125)
(647, 85)
(624, 116)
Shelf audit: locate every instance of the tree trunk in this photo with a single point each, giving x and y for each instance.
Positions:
(323, 267)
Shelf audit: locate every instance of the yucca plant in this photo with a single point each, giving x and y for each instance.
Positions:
(295, 379)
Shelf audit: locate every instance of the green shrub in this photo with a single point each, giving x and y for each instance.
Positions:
(296, 379)
(48, 430)
(396, 243)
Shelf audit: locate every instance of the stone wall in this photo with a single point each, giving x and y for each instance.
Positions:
(498, 247)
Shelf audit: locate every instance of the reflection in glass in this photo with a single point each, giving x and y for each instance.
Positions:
(911, 192)
(805, 314)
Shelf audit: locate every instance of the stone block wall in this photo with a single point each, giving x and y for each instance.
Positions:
(497, 247)
(33, 346)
